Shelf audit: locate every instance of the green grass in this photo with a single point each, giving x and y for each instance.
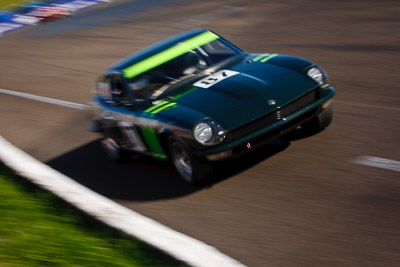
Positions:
(38, 229)
(4, 4)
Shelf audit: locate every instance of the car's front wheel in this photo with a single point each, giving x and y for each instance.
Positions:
(192, 169)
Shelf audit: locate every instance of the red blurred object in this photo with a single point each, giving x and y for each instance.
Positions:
(50, 12)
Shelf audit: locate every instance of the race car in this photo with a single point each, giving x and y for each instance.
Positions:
(196, 98)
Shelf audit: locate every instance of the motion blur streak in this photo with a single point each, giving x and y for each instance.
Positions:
(292, 203)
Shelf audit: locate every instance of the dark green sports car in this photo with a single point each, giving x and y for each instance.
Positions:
(197, 98)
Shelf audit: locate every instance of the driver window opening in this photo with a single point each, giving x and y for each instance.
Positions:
(141, 87)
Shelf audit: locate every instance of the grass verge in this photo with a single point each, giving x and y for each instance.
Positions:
(38, 229)
(4, 4)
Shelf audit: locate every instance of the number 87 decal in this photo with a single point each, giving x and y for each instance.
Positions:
(215, 78)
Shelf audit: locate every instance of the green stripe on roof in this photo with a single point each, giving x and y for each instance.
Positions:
(169, 54)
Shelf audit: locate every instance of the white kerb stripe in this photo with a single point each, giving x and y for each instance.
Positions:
(378, 163)
(46, 99)
(178, 245)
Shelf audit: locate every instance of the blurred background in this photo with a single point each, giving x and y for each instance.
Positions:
(329, 199)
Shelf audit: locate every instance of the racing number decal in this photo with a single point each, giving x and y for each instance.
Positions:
(215, 78)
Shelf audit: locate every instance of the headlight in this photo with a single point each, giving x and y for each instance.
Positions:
(208, 133)
(319, 75)
(203, 132)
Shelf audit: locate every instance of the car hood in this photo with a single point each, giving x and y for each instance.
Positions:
(250, 91)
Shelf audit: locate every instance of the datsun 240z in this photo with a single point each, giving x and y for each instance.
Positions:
(197, 98)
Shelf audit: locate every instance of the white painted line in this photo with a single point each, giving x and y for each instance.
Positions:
(46, 99)
(178, 245)
(382, 163)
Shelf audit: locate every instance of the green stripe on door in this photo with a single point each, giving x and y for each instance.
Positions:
(152, 142)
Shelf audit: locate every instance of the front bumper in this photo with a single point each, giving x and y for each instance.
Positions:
(270, 132)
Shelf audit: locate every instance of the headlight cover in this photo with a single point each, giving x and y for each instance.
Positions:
(208, 132)
(319, 75)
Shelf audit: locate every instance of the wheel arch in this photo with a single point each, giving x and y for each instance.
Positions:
(164, 134)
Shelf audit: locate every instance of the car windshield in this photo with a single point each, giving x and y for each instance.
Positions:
(149, 83)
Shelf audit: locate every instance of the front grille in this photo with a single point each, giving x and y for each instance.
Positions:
(275, 116)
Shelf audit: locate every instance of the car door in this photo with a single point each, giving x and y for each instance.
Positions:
(119, 121)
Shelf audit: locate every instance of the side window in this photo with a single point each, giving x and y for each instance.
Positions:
(118, 93)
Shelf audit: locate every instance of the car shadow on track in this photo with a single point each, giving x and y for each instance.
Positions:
(146, 179)
(226, 169)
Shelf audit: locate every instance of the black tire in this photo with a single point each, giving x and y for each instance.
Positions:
(320, 122)
(193, 170)
(114, 152)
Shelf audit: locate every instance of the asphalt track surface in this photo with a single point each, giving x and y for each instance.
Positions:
(299, 201)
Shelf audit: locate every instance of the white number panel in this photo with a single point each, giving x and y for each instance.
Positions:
(215, 78)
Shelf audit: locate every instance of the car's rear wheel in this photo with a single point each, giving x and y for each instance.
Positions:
(192, 169)
(114, 151)
(320, 122)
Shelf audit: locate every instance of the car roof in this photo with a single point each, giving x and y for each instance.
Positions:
(153, 50)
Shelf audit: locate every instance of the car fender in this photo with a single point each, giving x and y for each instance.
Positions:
(296, 64)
